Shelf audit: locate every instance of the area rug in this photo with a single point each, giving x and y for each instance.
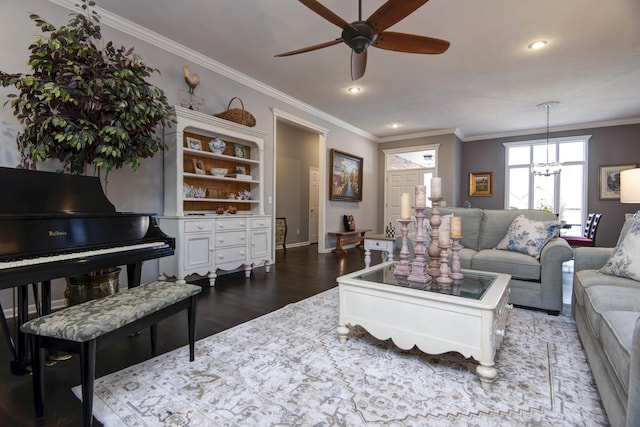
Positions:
(288, 368)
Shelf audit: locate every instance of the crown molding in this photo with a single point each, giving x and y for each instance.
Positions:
(128, 27)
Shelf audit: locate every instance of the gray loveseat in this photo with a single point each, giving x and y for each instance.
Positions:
(607, 313)
(535, 283)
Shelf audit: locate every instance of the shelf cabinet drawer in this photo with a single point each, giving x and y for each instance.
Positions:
(260, 223)
(230, 255)
(198, 226)
(233, 238)
(229, 224)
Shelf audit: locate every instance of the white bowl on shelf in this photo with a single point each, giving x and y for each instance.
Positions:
(218, 171)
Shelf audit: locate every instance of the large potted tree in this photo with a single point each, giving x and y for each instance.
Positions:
(89, 108)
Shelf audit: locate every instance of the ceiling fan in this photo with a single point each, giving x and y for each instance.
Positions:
(359, 35)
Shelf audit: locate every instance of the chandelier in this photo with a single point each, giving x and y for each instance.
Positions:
(548, 168)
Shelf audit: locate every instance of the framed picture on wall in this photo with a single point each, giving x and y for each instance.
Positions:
(610, 181)
(345, 177)
(480, 184)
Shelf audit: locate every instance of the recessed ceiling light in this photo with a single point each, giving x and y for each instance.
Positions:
(539, 44)
(354, 89)
(395, 125)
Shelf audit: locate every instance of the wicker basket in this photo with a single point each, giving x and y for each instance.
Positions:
(237, 115)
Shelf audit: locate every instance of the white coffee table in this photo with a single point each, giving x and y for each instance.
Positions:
(471, 323)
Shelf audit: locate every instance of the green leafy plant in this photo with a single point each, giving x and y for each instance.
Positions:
(83, 105)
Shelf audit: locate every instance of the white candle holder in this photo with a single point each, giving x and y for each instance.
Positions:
(402, 269)
(418, 275)
(456, 273)
(444, 278)
(434, 250)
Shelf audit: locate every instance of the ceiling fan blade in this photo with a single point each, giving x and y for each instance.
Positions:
(411, 43)
(358, 64)
(310, 48)
(392, 12)
(326, 13)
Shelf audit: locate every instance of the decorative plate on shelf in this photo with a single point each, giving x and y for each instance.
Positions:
(217, 146)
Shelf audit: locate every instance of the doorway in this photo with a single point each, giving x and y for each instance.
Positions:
(299, 165)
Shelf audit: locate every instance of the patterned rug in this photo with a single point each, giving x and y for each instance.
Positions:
(288, 368)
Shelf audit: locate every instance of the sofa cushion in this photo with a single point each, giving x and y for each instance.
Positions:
(528, 236)
(470, 222)
(600, 299)
(616, 334)
(624, 260)
(495, 224)
(518, 265)
(466, 255)
(585, 279)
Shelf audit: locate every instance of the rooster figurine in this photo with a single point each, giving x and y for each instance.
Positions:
(193, 80)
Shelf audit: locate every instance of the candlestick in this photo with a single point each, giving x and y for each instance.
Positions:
(455, 225)
(402, 269)
(456, 274)
(405, 205)
(434, 250)
(421, 196)
(419, 276)
(436, 187)
(444, 279)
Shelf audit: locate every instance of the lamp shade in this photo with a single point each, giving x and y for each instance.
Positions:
(630, 186)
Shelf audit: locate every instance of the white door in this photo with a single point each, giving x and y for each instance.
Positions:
(398, 182)
(314, 201)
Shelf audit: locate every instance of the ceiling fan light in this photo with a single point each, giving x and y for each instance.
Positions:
(395, 125)
(538, 44)
(354, 89)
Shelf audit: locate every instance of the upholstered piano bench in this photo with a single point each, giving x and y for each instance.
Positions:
(83, 329)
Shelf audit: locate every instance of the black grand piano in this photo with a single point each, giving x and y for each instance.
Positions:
(56, 225)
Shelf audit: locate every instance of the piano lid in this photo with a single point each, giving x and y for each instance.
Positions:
(28, 192)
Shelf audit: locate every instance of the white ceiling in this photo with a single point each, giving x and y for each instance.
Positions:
(488, 83)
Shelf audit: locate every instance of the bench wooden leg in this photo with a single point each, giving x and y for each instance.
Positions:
(88, 374)
(191, 313)
(339, 249)
(153, 329)
(37, 368)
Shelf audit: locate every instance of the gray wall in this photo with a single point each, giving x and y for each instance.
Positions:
(297, 151)
(614, 145)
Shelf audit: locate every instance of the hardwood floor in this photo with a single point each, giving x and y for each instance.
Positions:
(297, 274)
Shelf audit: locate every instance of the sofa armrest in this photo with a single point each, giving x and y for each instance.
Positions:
(553, 254)
(587, 258)
(633, 400)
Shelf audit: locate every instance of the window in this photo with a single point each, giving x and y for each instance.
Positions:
(563, 194)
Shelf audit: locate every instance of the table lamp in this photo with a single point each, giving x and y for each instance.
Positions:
(630, 186)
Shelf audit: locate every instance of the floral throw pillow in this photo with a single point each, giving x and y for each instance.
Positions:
(623, 261)
(529, 236)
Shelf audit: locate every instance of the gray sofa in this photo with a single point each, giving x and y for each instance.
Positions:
(607, 313)
(535, 283)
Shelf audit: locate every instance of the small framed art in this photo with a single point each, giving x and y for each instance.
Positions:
(194, 143)
(198, 167)
(240, 151)
(610, 181)
(480, 184)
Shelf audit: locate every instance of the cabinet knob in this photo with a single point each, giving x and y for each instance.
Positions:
(199, 227)
(220, 225)
(221, 256)
(242, 238)
(221, 240)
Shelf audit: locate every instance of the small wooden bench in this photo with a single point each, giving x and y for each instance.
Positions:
(347, 237)
(87, 327)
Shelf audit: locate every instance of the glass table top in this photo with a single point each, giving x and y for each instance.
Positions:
(473, 285)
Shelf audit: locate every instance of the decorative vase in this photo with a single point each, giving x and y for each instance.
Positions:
(217, 146)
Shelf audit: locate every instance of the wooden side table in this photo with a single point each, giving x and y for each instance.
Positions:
(346, 237)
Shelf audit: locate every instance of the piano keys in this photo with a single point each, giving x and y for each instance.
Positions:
(55, 225)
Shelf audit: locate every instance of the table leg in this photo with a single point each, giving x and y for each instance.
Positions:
(487, 374)
(367, 257)
(343, 333)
